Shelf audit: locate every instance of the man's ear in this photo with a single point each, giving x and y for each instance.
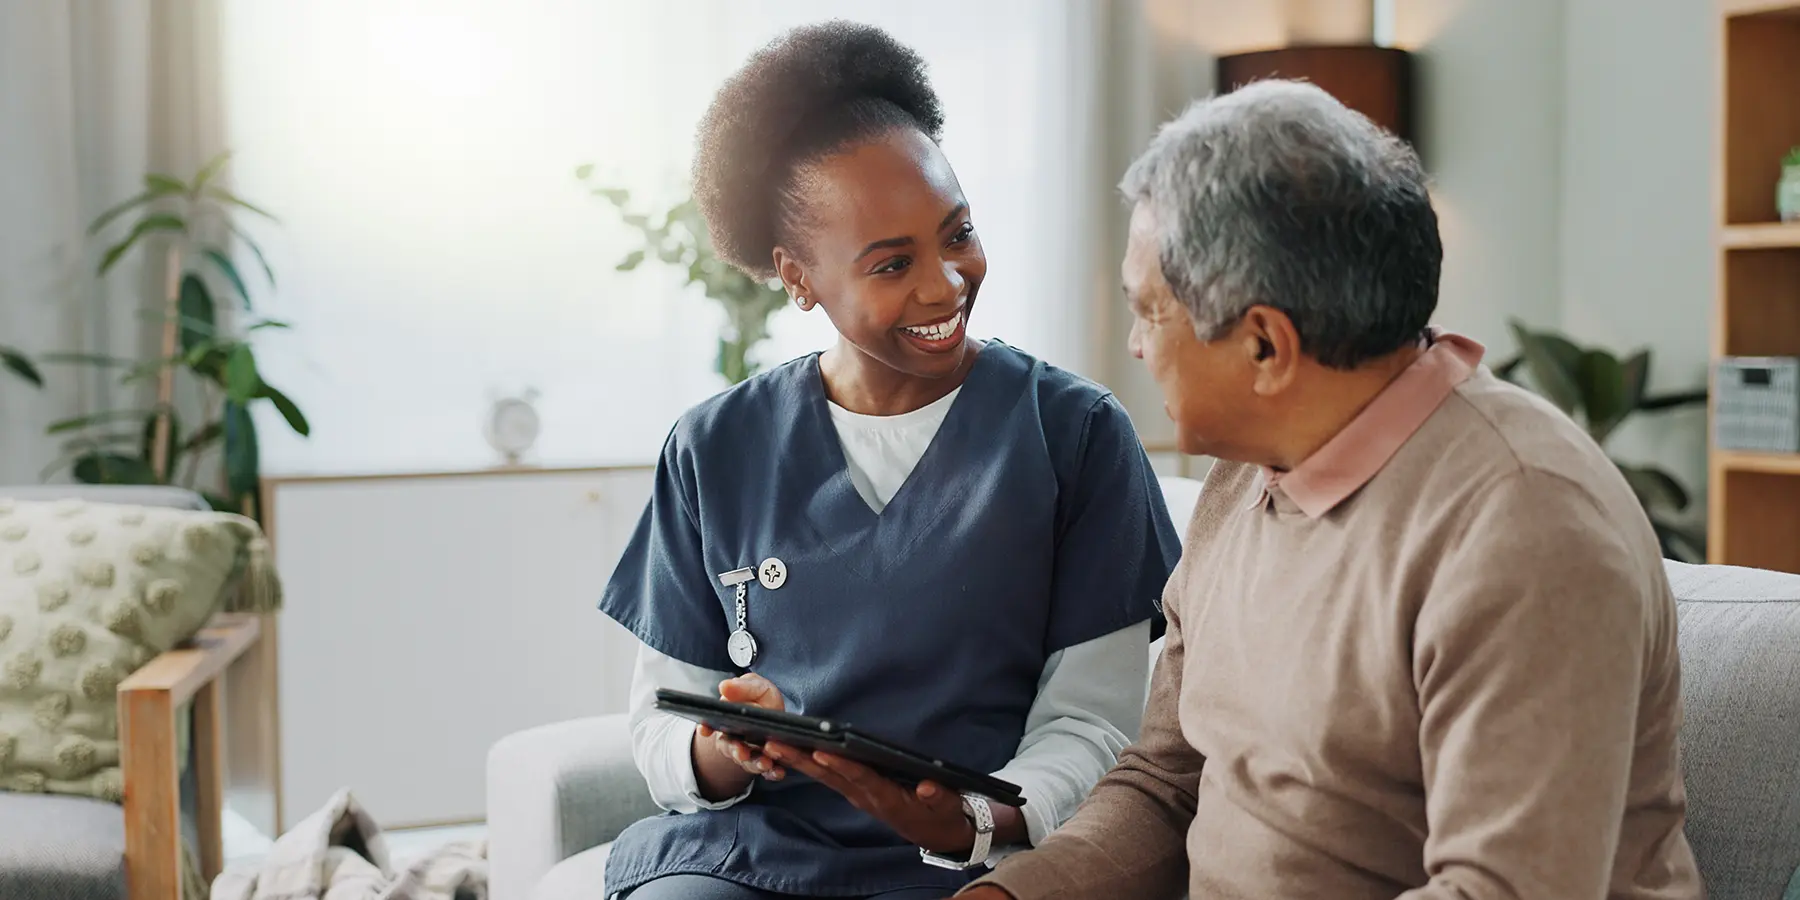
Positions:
(792, 273)
(1271, 346)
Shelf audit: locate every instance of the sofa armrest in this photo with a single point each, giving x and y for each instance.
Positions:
(148, 739)
(555, 791)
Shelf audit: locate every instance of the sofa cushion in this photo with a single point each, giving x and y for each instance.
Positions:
(61, 848)
(1740, 743)
(89, 592)
(580, 877)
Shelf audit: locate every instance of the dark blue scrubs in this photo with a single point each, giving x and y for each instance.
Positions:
(1032, 523)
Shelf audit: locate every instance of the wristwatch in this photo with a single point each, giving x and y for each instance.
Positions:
(982, 814)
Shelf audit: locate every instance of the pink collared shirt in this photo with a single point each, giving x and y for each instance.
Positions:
(1356, 453)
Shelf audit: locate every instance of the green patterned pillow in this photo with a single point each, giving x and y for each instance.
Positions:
(89, 592)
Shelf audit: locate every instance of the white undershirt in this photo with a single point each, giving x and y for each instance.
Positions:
(1090, 699)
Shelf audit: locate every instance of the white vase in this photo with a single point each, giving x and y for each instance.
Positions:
(1321, 22)
(1787, 194)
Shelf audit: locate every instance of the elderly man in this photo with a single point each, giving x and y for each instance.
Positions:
(1420, 643)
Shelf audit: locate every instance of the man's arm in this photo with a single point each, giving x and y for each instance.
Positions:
(1529, 657)
(1130, 838)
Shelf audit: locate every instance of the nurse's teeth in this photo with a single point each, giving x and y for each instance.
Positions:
(936, 332)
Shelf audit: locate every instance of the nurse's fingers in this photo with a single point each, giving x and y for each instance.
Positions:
(752, 689)
(748, 758)
(880, 791)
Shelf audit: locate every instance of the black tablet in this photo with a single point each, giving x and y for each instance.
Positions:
(754, 725)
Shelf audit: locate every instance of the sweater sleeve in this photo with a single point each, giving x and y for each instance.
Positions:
(1529, 656)
(1130, 838)
(661, 743)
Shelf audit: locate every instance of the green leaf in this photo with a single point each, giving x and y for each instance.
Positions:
(15, 362)
(99, 360)
(1507, 371)
(221, 194)
(254, 249)
(295, 419)
(1603, 393)
(146, 225)
(1671, 401)
(106, 218)
(241, 381)
(197, 313)
(63, 426)
(229, 270)
(1635, 371)
(631, 261)
(1655, 489)
(584, 171)
(267, 323)
(113, 468)
(1552, 362)
(616, 196)
(165, 184)
(242, 465)
(211, 169)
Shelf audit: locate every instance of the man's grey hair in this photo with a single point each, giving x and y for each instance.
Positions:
(1278, 195)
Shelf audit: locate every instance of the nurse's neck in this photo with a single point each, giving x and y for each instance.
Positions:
(867, 386)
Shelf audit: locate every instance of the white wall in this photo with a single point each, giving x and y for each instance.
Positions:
(1636, 218)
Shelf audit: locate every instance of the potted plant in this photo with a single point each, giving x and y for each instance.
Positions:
(1601, 391)
(16, 362)
(198, 341)
(677, 237)
(1787, 190)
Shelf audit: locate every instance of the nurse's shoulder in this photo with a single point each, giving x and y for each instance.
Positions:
(749, 412)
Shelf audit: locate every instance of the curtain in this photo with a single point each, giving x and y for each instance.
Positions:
(93, 94)
(436, 250)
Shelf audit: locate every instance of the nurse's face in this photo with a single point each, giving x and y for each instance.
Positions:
(891, 253)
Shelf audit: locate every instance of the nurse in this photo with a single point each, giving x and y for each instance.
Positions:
(947, 542)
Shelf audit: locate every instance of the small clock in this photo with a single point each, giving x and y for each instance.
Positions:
(512, 425)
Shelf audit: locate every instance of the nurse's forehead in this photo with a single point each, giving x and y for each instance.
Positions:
(898, 184)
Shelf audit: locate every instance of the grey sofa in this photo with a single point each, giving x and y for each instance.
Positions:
(73, 848)
(557, 794)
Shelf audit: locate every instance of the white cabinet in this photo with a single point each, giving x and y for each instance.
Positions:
(428, 616)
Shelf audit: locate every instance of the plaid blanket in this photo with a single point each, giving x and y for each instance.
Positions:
(338, 853)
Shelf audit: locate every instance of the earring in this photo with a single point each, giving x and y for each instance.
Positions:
(803, 303)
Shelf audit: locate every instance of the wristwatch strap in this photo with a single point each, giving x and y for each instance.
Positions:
(981, 813)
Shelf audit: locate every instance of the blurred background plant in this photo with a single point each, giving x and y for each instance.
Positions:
(15, 361)
(1601, 391)
(677, 237)
(201, 340)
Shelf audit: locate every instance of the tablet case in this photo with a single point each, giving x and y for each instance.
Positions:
(755, 725)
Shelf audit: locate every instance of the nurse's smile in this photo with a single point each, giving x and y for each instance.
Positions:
(941, 335)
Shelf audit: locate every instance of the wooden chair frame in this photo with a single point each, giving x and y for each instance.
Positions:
(148, 701)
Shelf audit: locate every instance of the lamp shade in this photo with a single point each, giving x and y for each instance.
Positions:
(1374, 81)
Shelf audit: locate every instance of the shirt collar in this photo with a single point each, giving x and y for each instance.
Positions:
(1353, 455)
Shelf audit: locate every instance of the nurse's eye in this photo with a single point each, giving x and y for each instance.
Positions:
(963, 235)
(893, 266)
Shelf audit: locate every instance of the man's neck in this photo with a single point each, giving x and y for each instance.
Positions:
(1327, 400)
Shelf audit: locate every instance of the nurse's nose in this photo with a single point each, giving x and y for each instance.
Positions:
(946, 290)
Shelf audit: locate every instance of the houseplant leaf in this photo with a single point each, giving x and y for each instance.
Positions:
(1603, 393)
(76, 423)
(1671, 401)
(1654, 488)
(295, 419)
(241, 381)
(222, 504)
(146, 225)
(97, 360)
(256, 250)
(100, 467)
(225, 196)
(584, 170)
(149, 195)
(212, 168)
(15, 362)
(206, 436)
(147, 437)
(165, 184)
(631, 261)
(1553, 362)
(1636, 372)
(241, 456)
(229, 270)
(199, 317)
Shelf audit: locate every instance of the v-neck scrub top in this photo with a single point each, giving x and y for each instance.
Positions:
(1032, 523)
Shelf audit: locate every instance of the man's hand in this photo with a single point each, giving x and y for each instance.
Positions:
(725, 766)
(929, 816)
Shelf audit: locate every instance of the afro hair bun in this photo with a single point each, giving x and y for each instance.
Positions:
(814, 90)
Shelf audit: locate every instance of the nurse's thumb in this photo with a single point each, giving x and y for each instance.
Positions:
(754, 689)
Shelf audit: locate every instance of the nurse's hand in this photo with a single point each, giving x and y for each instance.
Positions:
(929, 816)
(725, 766)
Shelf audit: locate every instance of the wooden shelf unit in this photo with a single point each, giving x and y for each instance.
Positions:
(1754, 498)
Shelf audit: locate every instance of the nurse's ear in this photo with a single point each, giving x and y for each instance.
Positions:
(793, 278)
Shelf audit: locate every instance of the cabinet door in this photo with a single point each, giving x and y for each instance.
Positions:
(427, 618)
